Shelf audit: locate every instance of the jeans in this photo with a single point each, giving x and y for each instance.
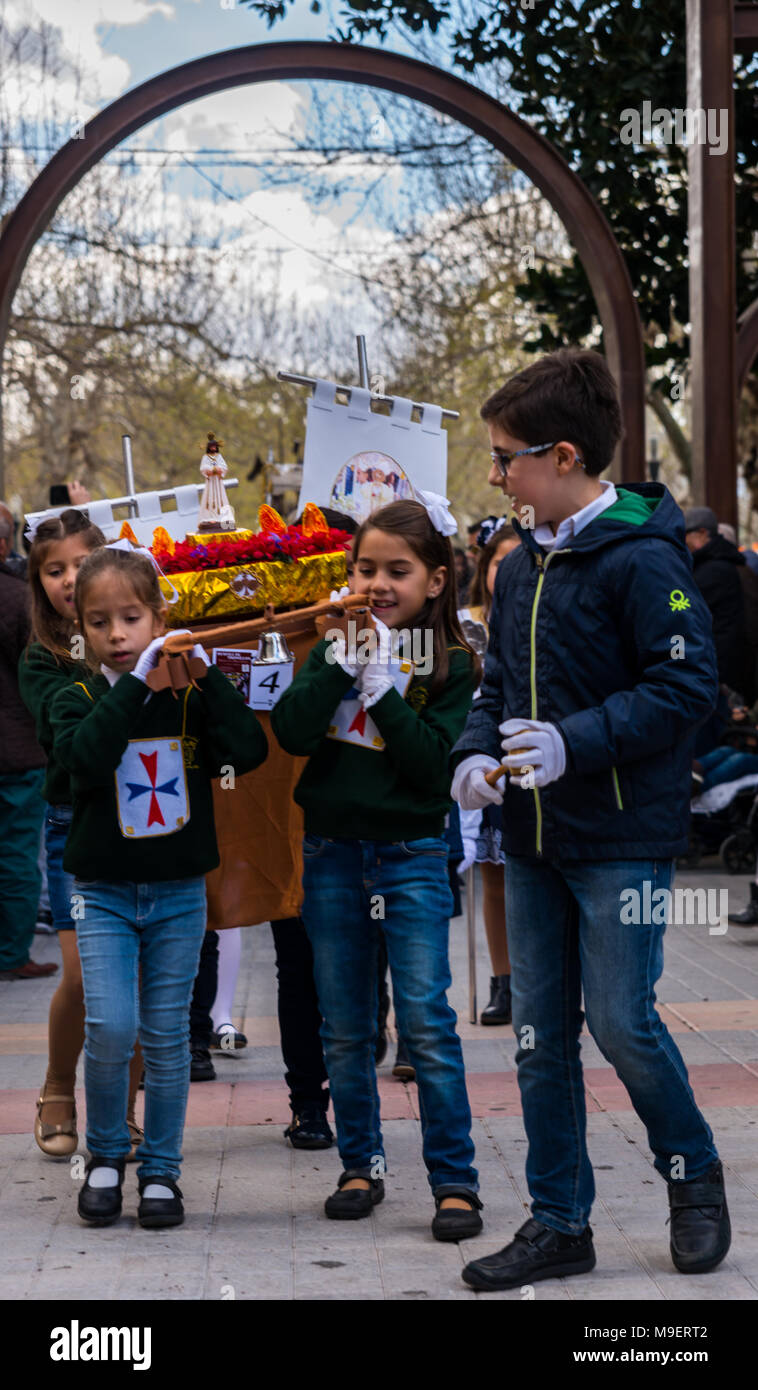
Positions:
(565, 936)
(351, 888)
(60, 885)
(299, 1016)
(157, 928)
(727, 765)
(21, 812)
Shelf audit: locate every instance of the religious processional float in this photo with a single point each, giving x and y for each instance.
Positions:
(258, 600)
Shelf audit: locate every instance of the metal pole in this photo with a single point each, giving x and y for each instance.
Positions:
(713, 303)
(126, 450)
(298, 380)
(471, 929)
(363, 376)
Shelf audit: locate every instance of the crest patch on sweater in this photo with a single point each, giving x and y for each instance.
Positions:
(151, 788)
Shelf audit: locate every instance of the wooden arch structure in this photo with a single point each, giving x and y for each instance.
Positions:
(530, 152)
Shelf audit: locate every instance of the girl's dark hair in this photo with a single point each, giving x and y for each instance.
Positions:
(136, 569)
(410, 521)
(569, 394)
(50, 628)
(479, 594)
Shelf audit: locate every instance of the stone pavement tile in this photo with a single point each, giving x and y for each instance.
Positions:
(718, 1014)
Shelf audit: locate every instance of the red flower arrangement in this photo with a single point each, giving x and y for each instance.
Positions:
(291, 545)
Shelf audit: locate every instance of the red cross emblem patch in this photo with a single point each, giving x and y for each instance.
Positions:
(151, 788)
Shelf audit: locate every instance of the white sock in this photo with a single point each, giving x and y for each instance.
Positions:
(104, 1177)
(157, 1189)
(229, 953)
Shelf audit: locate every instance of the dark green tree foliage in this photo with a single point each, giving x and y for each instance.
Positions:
(571, 68)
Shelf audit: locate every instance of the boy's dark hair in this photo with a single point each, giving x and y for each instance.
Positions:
(571, 395)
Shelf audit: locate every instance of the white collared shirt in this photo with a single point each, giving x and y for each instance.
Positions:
(572, 525)
(110, 675)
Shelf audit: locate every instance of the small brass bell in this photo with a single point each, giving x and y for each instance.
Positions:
(273, 650)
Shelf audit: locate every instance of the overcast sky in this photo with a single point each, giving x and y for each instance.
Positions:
(119, 43)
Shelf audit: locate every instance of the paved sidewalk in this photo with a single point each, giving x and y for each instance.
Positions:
(255, 1227)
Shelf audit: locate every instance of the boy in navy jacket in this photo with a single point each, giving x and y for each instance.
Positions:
(600, 668)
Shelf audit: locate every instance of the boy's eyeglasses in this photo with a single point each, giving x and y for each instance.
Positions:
(503, 458)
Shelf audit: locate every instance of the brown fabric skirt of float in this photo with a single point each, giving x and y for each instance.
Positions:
(259, 827)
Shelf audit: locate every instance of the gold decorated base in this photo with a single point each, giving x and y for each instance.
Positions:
(247, 588)
(203, 537)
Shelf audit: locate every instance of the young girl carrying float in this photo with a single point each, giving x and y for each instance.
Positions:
(142, 839)
(374, 817)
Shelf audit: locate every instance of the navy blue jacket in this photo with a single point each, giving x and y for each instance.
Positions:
(610, 640)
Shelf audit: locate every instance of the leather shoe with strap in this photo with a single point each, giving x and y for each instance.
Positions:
(355, 1202)
(536, 1252)
(160, 1211)
(700, 1229)
(455, 1223)
(101, 1206)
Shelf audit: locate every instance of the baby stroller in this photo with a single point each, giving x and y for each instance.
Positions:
(724, 818)
(730, 829)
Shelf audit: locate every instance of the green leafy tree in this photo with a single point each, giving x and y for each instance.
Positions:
(570, 68)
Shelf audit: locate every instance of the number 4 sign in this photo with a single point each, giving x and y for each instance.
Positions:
(261, 684)
(268, 682)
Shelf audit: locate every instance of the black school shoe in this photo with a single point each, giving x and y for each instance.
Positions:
(309, 1128)
(700, 1229)
(499, 1008)
(453, 1223)
(201, 1066)
(355, 1203)
(160, 1211)
(228, 1041)
(101, 1206)
(536, 1252)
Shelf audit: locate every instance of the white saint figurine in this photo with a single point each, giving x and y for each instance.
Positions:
(215, 513)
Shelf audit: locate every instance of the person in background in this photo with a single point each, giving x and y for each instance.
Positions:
(716, 562)
(482, 829)
(462, 574)
(201, 1003)
(22, 773)
(9, 556)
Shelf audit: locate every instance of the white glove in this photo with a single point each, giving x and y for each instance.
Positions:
(377, 676)
(543, 753)
(338, 594)
(149, 658)
(469, 858)
(339, 656)
(199, 651)
(469, 788)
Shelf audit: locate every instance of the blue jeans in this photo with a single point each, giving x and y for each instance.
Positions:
(726, 765)
(124, 928)
(60, 885)
(565, 936)
(352, 887)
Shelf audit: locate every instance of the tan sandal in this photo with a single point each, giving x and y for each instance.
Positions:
(137, 1136)
(58, 1141)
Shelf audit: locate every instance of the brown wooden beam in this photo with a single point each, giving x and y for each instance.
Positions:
(713, 305)
(746, 28)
